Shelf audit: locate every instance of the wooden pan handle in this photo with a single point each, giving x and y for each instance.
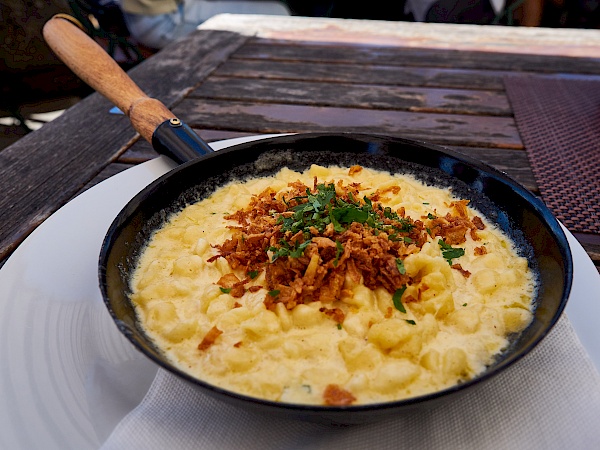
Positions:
(95, 67)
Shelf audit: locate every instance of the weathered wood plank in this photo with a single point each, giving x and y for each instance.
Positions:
(45, 169)
(367, 96)
(416, 57)
(450, 129)
(372, 74)
(433, 77)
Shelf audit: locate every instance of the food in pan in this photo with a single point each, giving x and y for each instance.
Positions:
(335, 286)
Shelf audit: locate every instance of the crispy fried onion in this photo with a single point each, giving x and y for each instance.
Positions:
(453, 228)
(311, 263)
(334, 395)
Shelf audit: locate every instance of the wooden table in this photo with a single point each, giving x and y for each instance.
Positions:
(245, 75)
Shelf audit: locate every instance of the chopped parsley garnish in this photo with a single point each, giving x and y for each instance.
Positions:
(431, 216)
(339, 326)
(253, 274)
(225, 290)
(412, 322)
(274, 293)
(400, 266)
(319, 209)
(286, 249)
(339, 249)
(349, 213)
(449, 252)
(397, 299)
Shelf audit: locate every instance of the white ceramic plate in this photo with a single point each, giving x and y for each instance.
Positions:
(67, 376)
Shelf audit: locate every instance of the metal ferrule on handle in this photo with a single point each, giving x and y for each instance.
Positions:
(178, 141)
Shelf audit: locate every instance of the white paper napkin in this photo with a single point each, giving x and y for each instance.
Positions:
(548, 400)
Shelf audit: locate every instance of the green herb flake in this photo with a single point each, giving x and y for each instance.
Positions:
(225, 290)
(299, 250)
(295, 251)
(253, 274)
(397, 299)
(337, 226)
(431, 216)
(339, 250)
(400, 266)
(278, 252)
(449, 252)
(464, 304)
(274, 293)
(339, 326)
(412, 322)
(349, 213)
(323, 208)
(426, 203)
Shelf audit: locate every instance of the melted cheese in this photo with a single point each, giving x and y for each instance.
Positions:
(457, 328)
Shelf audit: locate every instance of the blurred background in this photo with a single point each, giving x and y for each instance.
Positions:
(36, 87)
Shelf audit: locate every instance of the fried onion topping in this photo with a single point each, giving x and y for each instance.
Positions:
(309, 240)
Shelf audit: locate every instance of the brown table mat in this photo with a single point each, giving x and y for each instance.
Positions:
(559, 123)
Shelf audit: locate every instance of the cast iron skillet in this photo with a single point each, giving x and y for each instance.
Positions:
(515, 210)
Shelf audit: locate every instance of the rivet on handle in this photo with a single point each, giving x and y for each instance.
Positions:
(175, 122)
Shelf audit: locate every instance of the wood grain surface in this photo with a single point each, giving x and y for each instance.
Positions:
(280, 50)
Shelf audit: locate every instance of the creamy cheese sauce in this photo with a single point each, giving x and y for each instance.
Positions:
(378, 353)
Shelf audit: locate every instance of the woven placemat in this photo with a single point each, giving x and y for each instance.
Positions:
(559, 123)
